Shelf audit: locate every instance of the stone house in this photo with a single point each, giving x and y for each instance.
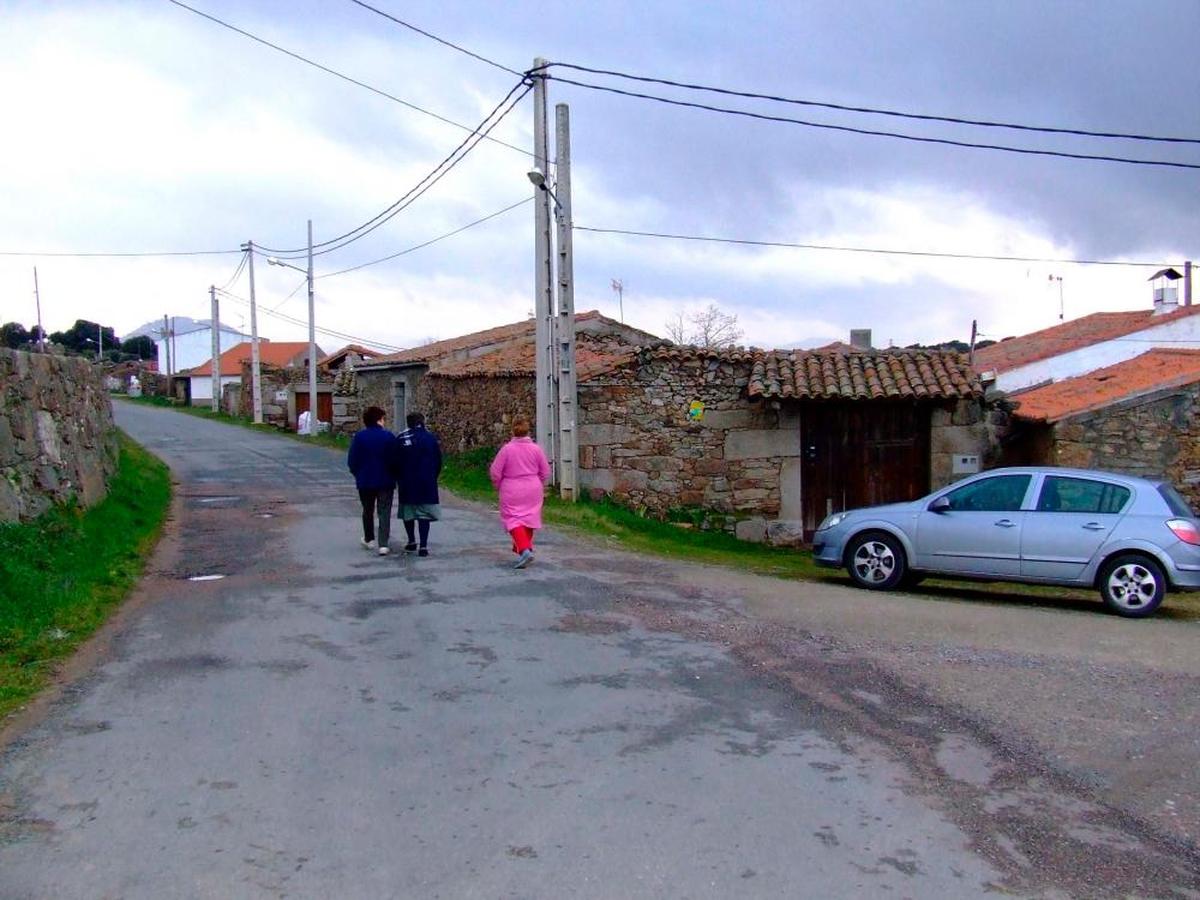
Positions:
(767, 443)
(470, 386)
(1141, 417)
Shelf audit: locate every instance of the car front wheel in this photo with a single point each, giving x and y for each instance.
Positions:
(876, 561)
(1132, 585)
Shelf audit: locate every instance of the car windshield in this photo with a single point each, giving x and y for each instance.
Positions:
(1175, 502)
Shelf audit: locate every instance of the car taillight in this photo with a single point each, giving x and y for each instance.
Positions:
(1186, 531)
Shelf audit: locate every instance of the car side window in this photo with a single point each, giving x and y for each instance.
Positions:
(1081, 495)
(1003, 493)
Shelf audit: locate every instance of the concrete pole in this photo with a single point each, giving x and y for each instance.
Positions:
(312, 343)
(255, 361)
(568, 463)
(167, 344)
(546, 413)
(1187, 283)
(216, 349)
(38, 297)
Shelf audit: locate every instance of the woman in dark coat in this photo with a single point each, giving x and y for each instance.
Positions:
(370, 461)
(418, 464)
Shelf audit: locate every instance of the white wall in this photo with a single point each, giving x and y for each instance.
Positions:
(1181, 333)
(195, 348)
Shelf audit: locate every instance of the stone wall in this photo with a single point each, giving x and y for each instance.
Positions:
(1157, 436)
(639, 443)
(964, 427)
(57, 439)
(476, 412)
(378, 387)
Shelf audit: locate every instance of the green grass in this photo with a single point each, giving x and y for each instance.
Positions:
(61, 575)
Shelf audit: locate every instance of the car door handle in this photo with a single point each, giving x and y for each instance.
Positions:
(1094, 526)
(1006, 523)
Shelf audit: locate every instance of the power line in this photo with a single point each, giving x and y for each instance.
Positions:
(496, 116)
(116, 255)
(434, 37)
(874, 250)
(1028, 151)
(337, 74)
(429, 242)
(340, 335)
(237, 272)
(983, 123)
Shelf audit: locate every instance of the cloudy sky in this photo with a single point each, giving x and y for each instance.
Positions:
(141, 127)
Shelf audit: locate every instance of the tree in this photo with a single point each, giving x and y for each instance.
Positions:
(84, 337)
(13, 335)
(708, 327)
(140, 347)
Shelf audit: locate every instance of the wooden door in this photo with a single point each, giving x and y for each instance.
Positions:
(861, 454)
(324, 406)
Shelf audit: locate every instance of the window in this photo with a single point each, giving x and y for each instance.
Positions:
(1081, 495)
(1174, 501)
(1003, 493)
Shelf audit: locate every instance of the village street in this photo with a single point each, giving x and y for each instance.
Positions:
(324, 722)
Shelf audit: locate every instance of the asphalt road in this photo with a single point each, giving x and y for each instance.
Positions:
(321, 722)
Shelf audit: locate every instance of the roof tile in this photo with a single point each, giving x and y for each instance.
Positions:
(865, 375)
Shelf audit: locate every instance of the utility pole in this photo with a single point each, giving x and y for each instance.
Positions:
(255, 369)
(99, 342)
(313, 419)
(1187, 283)
(974, 334)
(543, 281)
(38, 297)
(167, 345)
(216, 349)
(567, 400)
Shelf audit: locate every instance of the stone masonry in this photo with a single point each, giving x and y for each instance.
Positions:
(57, 438)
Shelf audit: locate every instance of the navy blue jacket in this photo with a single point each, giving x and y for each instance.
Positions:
(418, 462)
(370, 458)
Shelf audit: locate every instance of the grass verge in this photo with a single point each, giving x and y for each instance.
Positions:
(61, 575)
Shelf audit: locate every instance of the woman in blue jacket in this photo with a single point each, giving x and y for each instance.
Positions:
(370, 459)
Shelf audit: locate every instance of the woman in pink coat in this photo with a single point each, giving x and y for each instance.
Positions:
(519, 472)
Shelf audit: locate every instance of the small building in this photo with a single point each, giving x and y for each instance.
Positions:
(186, 343)
(273, 353)
(1140, 417)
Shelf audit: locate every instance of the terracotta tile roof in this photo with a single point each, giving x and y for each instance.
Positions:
(1152, 371)
(1073, 335)
(363, 352)
(517, 359)
(867, 375)
(474, 341)
(273, 353)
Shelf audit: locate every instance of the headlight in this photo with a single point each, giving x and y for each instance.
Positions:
(832, 521)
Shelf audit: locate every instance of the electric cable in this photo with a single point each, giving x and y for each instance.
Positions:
(954, 120)
(872, 250)
(1028, 151)
(434, 37)
(337, 74)
(428, 242)
(85, 254)
(340, 335)
(237, 272)
(495, 117)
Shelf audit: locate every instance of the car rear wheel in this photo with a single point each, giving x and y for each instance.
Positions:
(1132, 585)
(876, 561)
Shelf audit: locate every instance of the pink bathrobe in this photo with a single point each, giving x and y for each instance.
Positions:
(519, 472)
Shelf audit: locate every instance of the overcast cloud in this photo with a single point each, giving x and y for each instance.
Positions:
(143, 127)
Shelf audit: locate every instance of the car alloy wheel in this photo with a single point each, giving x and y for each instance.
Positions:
(877, 562)
(1132, 585)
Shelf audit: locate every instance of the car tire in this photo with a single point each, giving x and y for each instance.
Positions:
(1132, 585)
(876, 561)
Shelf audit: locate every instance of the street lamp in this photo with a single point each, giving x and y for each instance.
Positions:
(538, 179)
(314, 419)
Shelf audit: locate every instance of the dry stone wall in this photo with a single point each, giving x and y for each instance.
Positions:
(477, 412)
(1153, 437)
(57, 438)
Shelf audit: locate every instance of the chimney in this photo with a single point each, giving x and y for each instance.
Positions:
(860, 338)
(1166, 292)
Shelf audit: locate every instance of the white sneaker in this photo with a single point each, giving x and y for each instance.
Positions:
(385, 550)
(370, 545)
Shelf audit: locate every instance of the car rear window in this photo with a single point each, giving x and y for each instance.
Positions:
(1081, 495)
(1175, 502)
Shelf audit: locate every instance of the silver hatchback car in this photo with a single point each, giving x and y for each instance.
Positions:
(1131, 538)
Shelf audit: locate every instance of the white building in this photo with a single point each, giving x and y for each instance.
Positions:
(190, 343)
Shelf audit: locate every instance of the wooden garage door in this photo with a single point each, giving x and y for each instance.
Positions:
(861, 454)
(324, 406)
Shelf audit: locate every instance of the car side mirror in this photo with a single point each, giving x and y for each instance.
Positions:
(940, 505)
